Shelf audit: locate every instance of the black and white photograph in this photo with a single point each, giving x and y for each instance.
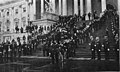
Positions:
(59, 35)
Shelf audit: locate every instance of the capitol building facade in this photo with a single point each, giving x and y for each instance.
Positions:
(19, 13)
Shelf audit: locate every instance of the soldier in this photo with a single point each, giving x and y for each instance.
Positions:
(1, 53)
(30, 48)
(61, 51)
(117, 47)
(56, 53)
(6, 45)
(67, 50)
(24, 48)
(98, 47)
(72, 47)
(106, 47)
(13, 49)
(3, 45)
(44, 49)
(52, 52)
(92, 47)
(65, 47)
(47, 49)
(19, 49)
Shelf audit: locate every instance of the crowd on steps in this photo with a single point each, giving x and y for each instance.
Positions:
(64, 37)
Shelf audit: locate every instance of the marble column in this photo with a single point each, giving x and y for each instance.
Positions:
(42, 8)
(103, 4)
(64, 7)
(119, 18)
(88, 8)
(76, 7)
(81, 7)
(34, 7)
(119, 7)
(60, 7)
(53, 5)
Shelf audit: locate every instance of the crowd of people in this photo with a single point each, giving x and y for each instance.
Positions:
(64, 38)
(97, 47)
(12, 51)
(66, 35)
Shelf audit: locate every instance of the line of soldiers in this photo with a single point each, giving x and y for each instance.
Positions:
(59, 49)
(14, 50)
(96, 46)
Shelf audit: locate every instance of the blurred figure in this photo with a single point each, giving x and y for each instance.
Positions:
(21, 29)
(1, 53)
(13, 47)
(19, 49)
(106, 47)
(98, 47)
(24, 48)
(92, 47)
(89, 15)
(6, 47)
(117, 47)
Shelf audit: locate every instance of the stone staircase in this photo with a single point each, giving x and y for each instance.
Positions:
(101, 32)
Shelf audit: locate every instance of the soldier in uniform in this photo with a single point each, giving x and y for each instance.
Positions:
(44, 49)
(98, 47)
(1, 53)
(28, 49)
(117, 47)
(56, 53)
(3, 45)
(6, 46)
(65, 47)
(52, 52)
(13, 49)
(19, 49)
(106, 47)
(73, 47)
(24, 48)
(30, 46)
(61, 47)
(67, 50)
(48, 48)
(92, 47)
